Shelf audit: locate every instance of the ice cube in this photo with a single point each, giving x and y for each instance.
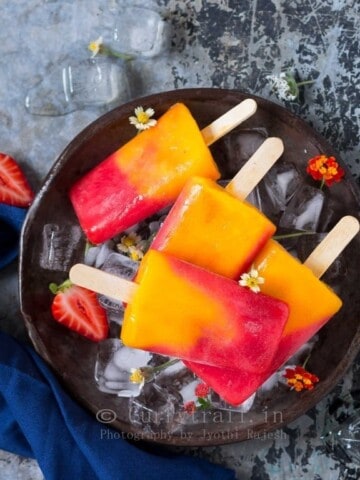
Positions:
(239, 145)
(113, 367)
(59, 244)
(120, 265)
(96, 255)
(105, 250)
(304, 209)
(77, 85)
(178, 376)
(187, 392)
(180, 382)
(331, 213)
(154, 409)
(112, 307)
(91, 254)
(127, 358)
(275, 190)
(280, 183)
(146, 37)
(270, 383)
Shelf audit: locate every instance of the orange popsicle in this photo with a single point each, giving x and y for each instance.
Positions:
(215, 229)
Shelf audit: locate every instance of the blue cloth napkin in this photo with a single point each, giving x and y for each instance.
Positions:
(11, 220)
(38, 419)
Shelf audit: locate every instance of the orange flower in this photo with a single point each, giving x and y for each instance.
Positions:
(300, 379)
(325, 169)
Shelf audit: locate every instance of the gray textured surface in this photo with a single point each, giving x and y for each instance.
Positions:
(214, 43)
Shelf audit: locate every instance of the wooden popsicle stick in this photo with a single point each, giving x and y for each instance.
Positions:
(102, 282)
(333, 244)
(256, 168)
(231, 119)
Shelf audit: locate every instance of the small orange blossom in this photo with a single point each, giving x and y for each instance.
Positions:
(300, 379)
(325, 169)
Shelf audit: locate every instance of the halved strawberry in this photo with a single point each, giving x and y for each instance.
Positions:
(78, 309)
(14, 188)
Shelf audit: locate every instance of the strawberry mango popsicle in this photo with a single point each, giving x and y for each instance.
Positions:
(181, 310)
(213, 228)
(311, 304)
(202, 316)
(148, 173)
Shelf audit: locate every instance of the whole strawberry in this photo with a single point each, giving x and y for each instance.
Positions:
(78, 309)
(14, 188)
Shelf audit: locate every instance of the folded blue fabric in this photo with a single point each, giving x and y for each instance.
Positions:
(11, 220)
(38, 419)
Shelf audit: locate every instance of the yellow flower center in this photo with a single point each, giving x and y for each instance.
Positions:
(252, 282)
(93, 47)
(143, 117)
(136, 376)
(128, 241)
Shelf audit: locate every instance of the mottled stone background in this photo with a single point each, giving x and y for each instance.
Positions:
(214, 43)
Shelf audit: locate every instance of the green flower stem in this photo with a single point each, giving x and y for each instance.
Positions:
(306, 360)
(292, 235)
(112, 53)
(149, 373)
(322, 183)
(305, 82)
(167, 364)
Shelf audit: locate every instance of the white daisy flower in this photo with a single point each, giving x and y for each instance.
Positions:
(95, 46)
(252, 280)
(142, 119)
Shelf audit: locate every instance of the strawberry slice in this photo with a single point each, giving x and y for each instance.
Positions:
(14, 188)
(78, 309)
